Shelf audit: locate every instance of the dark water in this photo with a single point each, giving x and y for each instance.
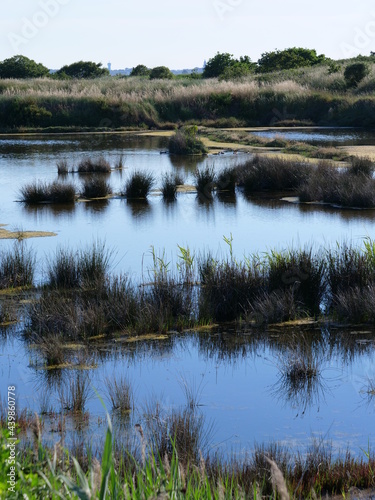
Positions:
(239, 374)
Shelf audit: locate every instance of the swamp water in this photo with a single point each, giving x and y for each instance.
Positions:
(239, 375)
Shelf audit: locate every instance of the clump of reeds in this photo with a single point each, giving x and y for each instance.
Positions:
(75, 394)
(227, 288)
(95, 187)
(62, 167)
(205, 181)
(361, 165)
(186, 142)
(79, 269)
(355, 304)
(50, 347)
(302, 271)
(120, 394)
(98, 165)
(56, 192)
(275, 307)
(120, 163)
(139, 185)
(349, 188)
(182, 430)
(17, 267)
(227, 180)
(170, 182)
(272, 173)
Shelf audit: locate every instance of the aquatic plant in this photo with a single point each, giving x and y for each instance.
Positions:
(55, 192)
(75, 394)
(205, 181)
(227, 180)
(272, 173)
(138, 185)
(349, 188)
(170, 182)
(17, 266)
(361, 165)
(95, 187)
(97, 165)
(120, 394)
(186, 142)
(62, 167)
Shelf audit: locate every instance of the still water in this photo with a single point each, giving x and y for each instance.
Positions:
(238, 375)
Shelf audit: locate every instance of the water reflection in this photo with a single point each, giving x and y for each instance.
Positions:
(140, 209)
(96, 206)
(57, 210)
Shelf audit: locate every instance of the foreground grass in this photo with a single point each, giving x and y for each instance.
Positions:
(267, 473)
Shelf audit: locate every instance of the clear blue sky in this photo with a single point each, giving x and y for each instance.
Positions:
(180, 33)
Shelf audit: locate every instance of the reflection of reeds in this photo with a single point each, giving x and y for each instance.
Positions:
(300, 383)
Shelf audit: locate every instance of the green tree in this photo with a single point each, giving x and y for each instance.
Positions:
(22, 67)
(82, 69)
(161, 72)
(223, 65)
(140, 70)
(355, 73)
(294, 57)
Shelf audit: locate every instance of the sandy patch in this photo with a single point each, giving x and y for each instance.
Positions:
(5, 234)
(359, 151)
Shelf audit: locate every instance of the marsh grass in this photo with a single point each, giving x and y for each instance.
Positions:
(186, 142)
(272, 174)
(227, 180)
(361, 165)
(94, 166)
(75, 394)
(95, 187)
(274, 307)
(355, 304)
(349, 188)
(51, 348)
(302, 271)
(138, 185)
(42, 192)
(205, 181)
(170, 182)
(17, 266)
(63, 271)
(227, 288)
(62, 167)
(184, 431)
(120, 394)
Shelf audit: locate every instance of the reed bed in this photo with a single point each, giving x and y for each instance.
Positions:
(81, 298)
(94, 166)
(306, 95)
(42, 192)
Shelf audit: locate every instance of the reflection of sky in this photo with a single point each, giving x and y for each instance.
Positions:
(236, 395)
(343, 137)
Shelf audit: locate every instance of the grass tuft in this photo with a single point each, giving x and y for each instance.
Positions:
(139, 185)
(95, 187)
